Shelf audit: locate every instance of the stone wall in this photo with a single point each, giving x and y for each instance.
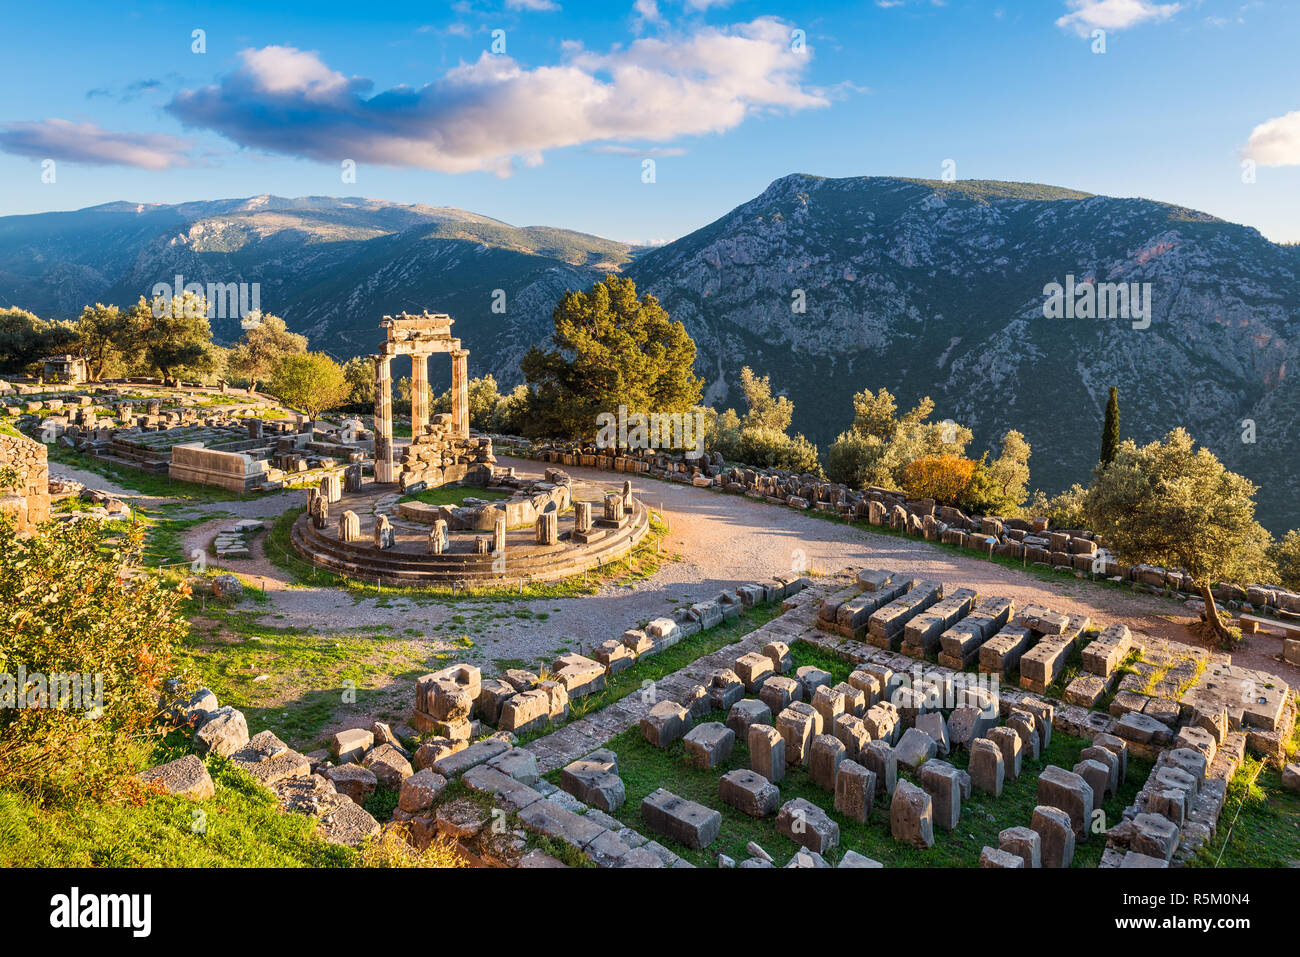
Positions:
(1031, 541)
(29, 503)
(235, 471)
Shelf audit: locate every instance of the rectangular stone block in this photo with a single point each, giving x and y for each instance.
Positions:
(749, 792)
(886, 624)
(1001, 654)
(1105, 653)
(855, 790)
(683, 821)
(808, 826)
(766, 751)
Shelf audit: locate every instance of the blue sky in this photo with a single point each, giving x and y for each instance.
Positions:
(555, 129)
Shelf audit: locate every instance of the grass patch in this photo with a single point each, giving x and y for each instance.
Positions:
(241, 826)
(295, 682)
(145, 483)
(1260, 823)
(645, 768)
(164, 540)
(455, 494)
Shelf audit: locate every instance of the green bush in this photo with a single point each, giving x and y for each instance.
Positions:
(86, 641)
(770, 448)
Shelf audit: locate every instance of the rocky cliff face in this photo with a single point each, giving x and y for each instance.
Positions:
(829, 286)
(935, 288)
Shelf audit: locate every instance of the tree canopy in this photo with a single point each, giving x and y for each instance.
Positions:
(1110, 428)
(26, 338)
(265, 342)
(1169, 503)
(176, 335)
(311, 382)
(611, 348)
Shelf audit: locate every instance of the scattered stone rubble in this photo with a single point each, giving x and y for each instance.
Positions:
(1192, 720)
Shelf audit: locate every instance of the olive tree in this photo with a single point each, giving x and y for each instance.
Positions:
(1171, 504)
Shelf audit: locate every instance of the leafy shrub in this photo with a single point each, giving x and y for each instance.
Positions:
(1285, 556)
(76, 604)
(853, 459)
(943, 478)
(1065, 510)
(771, 448)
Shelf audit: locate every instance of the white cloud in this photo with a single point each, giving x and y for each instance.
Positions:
(533, 6)
(1087, 15)
(494, 114)
(87, 143)
(1275, 142)
(615, 149)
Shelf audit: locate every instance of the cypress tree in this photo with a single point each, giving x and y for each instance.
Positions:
(1110, 430)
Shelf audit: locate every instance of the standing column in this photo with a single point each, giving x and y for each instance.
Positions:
(460, 392)
(419, 395)
(383, 419)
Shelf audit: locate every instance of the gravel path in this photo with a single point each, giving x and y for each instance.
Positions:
(723, 541)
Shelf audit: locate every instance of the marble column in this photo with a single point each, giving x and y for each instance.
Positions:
(582, 516)
(419, 395)
(384, 419)
(460, 392)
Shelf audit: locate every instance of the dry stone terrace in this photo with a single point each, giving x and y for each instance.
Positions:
(903, 740)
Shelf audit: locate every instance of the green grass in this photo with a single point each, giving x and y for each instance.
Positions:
(307, 678)
(1260, 822)
(664, 663)
(164, 540)
(241, 826)
(645, 768)
(145, 483)
(455, 494)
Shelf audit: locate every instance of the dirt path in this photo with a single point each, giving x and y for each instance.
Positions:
(723, 541)
(94, 480)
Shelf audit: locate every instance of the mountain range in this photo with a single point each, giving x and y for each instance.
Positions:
(827, 285)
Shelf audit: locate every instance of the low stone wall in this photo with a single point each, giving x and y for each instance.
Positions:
(1029, 540)
(29, 501)
(235, 471)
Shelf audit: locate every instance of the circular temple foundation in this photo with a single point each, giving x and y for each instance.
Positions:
(586, 528)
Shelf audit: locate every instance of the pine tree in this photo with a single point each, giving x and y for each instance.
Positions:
(611, 348)
(1110, 430)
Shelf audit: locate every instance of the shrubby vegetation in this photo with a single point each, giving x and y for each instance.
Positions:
(1285, 556)
(266, 342)
(311, 382)
(927, 459)
(1169, 503)
(75, 600)
(762, 437)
